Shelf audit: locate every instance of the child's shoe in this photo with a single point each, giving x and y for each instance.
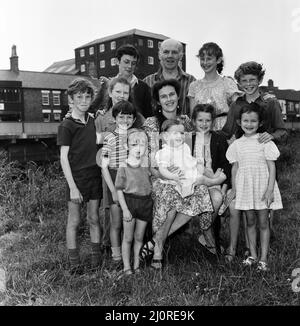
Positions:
(250, 261)
(263, 266)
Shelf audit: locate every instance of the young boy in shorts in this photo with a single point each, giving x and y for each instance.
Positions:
(110, 157)
(77, 140)
(134, 193)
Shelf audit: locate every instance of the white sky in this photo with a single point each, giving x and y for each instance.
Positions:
(267, 31)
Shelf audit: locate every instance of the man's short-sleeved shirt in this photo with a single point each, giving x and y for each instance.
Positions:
(81, 138)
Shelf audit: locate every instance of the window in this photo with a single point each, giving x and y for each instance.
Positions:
(150, 60)
(102, 64)
(56, 97)
(82, 53)
(56, 115)
(150, 44)
(113, 61)
(113, 45)
(91, 50)
(45, 98)
(159, 44)
(82, 68)
(141, 42)
(102, 48)
(10, 95)
(46, 115)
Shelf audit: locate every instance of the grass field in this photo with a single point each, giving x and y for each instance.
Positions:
(34, 259)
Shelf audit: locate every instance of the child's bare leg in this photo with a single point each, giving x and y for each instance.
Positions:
(264, 229)
(234, 226)
(245, 231)
(127, 242)
(251, 227)
(140, 228)
(204, 180)
(93, 220)
(115, 231)
(71, 233)
(72, 224)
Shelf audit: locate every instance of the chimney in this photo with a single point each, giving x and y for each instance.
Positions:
(270, 83)
(14, 60)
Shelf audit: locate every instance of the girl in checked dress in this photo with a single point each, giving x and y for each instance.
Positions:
(253, 181)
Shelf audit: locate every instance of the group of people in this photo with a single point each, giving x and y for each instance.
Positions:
(159, 152)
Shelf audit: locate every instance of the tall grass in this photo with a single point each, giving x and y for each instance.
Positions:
(33, 253)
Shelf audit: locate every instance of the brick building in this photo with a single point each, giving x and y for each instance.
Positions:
(32, 104)
(289, 100)
(97, 58)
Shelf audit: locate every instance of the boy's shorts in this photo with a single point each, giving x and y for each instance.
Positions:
(113, 175)
(88, 182)
(140, 207)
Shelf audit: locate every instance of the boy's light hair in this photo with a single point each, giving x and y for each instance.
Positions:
(250, 68)
(139, 134)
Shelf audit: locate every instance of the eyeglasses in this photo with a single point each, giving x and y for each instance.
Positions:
(252, 81)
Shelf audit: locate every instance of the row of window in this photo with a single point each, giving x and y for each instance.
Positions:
(10, 95)
(55, 97)
(113, 45)
(47, 115)
(113, 62)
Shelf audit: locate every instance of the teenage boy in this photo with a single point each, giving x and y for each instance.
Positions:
(249, 76)
(77, 140)
(110, 157)
(127, 58)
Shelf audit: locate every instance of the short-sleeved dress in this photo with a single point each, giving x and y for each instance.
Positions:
(220, 93)
(253, 174)
(165, 196)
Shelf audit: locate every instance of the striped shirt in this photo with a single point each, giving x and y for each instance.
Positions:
(115, 148)
(184, 79)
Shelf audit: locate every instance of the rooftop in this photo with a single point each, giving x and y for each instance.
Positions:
(63, 67)
(42, 80)
(123, 34)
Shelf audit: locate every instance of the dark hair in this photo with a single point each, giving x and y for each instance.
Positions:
(249, 68)
(155, 94)
(80, 85)
(167, 124)
(167, 82)
(124, 107)
(204, 108)
(212, 48)
(127, 49)
(248, 108)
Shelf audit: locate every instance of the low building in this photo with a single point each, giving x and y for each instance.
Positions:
(32, 104)
(289, 100)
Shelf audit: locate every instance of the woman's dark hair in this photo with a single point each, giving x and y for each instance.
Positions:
(155, 94)
(250, 68)
(124, 107)
(248, 108)
(212, 48)
(204, 108)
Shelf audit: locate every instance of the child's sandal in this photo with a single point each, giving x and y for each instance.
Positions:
(156, 264)
(262, 266)
(250, 261)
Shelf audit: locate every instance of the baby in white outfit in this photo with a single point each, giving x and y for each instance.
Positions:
(176, 153)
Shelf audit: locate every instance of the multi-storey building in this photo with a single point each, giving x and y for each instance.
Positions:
(97, 58)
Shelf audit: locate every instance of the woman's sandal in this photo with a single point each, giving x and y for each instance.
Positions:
(229, 258)
(137, 271)
(156, 264)
(125, 273)
(146, 251)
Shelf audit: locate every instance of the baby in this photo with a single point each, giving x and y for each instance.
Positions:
(176, 153)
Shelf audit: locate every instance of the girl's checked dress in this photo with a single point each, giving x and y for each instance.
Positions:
(253, 173)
